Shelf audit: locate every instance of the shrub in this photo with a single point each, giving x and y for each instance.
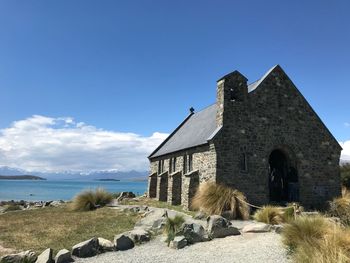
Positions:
(215, 199)
(90, 200)
(340, 207)
(305, 231)
(12, 207)
(270, 215)
(172, 227)
(345, 175)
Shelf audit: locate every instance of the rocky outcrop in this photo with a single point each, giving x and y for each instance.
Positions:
(86, 249)
(220, 227)
(139, 235)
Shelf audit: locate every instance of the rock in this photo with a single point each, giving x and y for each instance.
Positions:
(63, 256)
(123, 242)
(159, 224)
(139, 235)
(124, 195)
(200, 215)
(26, 256)
(277, 228)
(257, 228)
(56, 203)
(45, 257)
(178, 242)
(105, 245)
(86, 249)
(194, 233)
(220, 227)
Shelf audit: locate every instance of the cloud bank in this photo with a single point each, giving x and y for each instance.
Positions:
(47, 144)
(345, 154)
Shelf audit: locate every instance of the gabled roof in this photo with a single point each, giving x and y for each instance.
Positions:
(197, 129)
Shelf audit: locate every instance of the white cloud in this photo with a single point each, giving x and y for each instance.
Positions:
(346, 124)
(47, 144)
(345, 154)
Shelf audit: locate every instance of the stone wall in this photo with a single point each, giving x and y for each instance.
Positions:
(152, 185)
(276, 116)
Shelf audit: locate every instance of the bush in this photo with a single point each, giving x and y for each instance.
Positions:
(215, 199)
(12, 207)
(270, 215)
(90, 200)
(340, 207)
(345, 175)
(172, 227)
(305, 231)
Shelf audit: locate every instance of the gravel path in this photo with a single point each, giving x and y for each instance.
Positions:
(249, 247)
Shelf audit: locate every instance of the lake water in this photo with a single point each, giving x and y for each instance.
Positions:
(61, 190)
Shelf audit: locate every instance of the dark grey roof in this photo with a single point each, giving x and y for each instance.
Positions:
(196, 130)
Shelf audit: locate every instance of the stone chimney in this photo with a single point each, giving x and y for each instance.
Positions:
(232, 88)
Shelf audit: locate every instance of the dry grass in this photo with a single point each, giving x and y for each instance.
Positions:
(90, 200)
(215, 199)
(340, 207)
(273, 215)
(305, 231)
(60, 228)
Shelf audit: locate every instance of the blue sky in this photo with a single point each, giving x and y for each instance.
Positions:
(138, 66)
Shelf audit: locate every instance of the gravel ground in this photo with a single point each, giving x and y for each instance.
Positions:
(249, 247)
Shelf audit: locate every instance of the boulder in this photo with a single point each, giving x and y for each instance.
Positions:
(277, 228)
(194, 233)
(63, 256)
(56, 203)
(257, 228)
(220, 227)
(139, 235)
(105, 245)
(45, 257)
(124, 195)
(86, 248)
(123, 242)
(26, 256)
(178, 242)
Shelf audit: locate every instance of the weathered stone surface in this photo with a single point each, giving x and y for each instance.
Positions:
(139, 235)
(178, 242)
(256, 228)
(86, 248)
(200, 215)
(277, 228)
(63, 256)
(45, 257)
(194, 233)
(125, 195)
(219, 226)
(22, 257)
(123, 242)
(105, 245)
(57, 203)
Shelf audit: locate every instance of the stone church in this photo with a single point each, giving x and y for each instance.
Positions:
(263, 139)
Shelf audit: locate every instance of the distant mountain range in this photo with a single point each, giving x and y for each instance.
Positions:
(69, 175)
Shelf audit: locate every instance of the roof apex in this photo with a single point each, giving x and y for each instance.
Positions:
(233, 74)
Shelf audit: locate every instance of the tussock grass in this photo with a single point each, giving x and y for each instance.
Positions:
(90, 200)
(340, 207)
(12, 207)
(345, 175)
(58, 228)
(172, 227)
(305, 231)
(273, 215)
(216, 199)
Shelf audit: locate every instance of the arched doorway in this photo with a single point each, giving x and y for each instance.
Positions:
(283, 178)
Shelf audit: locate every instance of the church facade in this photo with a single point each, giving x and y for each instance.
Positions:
(263, 139)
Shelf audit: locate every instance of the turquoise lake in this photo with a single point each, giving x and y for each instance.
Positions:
(60, 190)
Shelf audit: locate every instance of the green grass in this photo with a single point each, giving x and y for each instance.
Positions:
(60, 228)
(172, 227)
(216, 199)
